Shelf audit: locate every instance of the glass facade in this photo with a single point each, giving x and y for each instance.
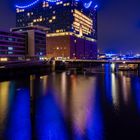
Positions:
(59, 16)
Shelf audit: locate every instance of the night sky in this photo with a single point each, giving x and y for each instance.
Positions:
(118, 24)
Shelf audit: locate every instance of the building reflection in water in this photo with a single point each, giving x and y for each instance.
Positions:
(69, 107)
(115, 91)
(32, 77)
(116, 85)
(136, 89)
(81, 103)
(49, 122)
(111, 87)
(107, 82)
(87, 122)
(126, 88)
(43, 87)
(4, 101)
(19, 121)
(61, 87)
(64, 89)
(68, 113)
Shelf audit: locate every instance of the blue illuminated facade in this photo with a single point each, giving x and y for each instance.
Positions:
(59, 16)
(86, 5)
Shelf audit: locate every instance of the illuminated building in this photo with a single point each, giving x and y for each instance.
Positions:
(69, 46)
(36, 40)
(12, 46)
(71, 17)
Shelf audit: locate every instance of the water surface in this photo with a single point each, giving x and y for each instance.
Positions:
(58, 106)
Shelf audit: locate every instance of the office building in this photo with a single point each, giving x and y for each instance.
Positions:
(36, 40)
(12, 46)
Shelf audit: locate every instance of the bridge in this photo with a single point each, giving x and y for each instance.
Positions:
(101, 61)
(52, 65)
(114, 64)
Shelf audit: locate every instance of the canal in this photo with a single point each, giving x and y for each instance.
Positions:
(62, 106)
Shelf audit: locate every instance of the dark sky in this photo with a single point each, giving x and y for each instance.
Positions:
(118, 24)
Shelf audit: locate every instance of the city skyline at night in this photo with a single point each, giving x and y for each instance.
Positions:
(125, 30)
(72, 23)
(69, 70)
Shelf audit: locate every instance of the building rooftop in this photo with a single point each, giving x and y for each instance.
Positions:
(35, 27)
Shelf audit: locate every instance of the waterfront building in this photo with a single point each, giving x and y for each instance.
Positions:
(12, 46)
(35, 40)
(70, 46)
(67, 18)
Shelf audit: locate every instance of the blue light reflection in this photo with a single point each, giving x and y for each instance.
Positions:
(49, 124)
(19, 121)
(136, 87)
(108, 89)
(95, 123)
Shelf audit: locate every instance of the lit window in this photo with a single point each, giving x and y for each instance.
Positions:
(66, 4)
(3, 59)
(19, 10)
(10, 52)
(54, 17)
(50, 21)
(10, 48)
(41, 19)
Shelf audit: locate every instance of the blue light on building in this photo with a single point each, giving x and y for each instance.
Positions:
(96, 6)
(87, 5)
(48, 14)
(26, 6)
